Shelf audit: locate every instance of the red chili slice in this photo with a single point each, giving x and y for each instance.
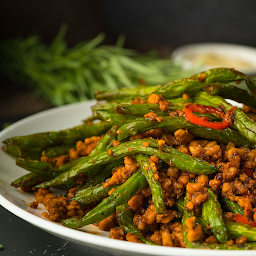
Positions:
(204, 121)
(241, 219)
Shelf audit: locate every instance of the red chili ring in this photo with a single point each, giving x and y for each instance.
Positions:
(202, 121)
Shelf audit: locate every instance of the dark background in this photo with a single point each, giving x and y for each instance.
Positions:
(147, 24)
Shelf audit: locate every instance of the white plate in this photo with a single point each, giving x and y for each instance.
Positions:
(17, 201)
(212, 55)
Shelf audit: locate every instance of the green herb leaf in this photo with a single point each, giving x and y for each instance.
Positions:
(63, 75)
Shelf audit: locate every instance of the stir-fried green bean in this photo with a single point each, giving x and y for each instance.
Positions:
(66, 137)
(155, 187)
(179, 205)
(115, 119)
(171, 124)
(30, 180)
(212, 213)
(125, 220)
(195, 83)
(121, 93)
(179, 159)
(186, 215)
(16, 151)
(92, 194)
(228, 91)
(233, 206)
(242, 122)
(104, 209)
(153, 182)
(236, 230)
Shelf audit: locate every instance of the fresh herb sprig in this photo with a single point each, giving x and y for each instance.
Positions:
(63, 75)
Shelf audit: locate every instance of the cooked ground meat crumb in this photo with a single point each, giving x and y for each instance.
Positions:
(235, 180)
(116, 233)
(123, 172)
(57, 208)
(153, 116)
(83, 148)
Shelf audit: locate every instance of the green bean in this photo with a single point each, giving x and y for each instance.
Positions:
(103, 106)
(92, 194)
(233, 206)
(179, 103)
(66, 137)
(242, 122)
(101, 172)
(251, 83)
(89, 163)
(106, 141)
(104, 172)
(46, 167)
(137, 91)
(56, 151)
(95, 176)
(236, 230)
(195, 83)
(24, 163)
(196, 245)
(212, 213)
(179, 159)
(172, 123)
(109, 105)
(154, 184)
(16, 151)
(199, 100)
(100, 176)
(186, 162)
(179, 205)
(232, 92)
(115, 119)
(142, 109)
(107, 206)
(186, 215)
(125, 220)
(29, 180)
(104, 144)
(38, 171)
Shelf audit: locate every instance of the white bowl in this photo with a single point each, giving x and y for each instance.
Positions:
(212, 55)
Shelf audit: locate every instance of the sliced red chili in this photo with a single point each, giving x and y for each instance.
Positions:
(241, 219)
(204, 121)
